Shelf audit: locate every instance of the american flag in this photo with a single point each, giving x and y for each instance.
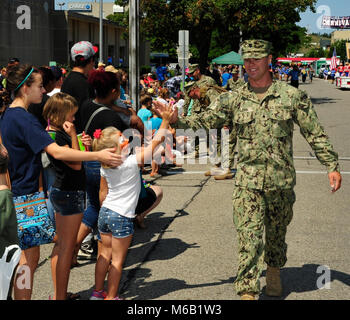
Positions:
(334, 60)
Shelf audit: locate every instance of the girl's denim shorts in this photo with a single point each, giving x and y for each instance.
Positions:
(110, 221)
(67, 202)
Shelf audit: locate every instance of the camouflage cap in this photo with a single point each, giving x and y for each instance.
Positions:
(255, 49)
(188, 86)
(193, 67)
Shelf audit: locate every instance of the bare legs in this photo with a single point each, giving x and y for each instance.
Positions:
(115, 250)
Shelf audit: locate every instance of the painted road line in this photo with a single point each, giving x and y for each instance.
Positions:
(202, 172)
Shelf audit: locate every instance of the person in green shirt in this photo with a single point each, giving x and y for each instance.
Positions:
(8, 219)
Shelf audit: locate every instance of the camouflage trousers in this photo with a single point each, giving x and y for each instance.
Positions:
(253, 212)
(225, 150)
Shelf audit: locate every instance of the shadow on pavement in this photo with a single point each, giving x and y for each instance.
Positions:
(166, 249)
(304, 279)
(323, 100)
(155, 223)
(134, 285)
(142, 290)
(152, 290)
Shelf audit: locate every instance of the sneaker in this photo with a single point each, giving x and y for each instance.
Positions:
(117, 298)
(98, 295)
(87, 252)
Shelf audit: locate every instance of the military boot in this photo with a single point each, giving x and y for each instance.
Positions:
(226, 175)
(273, 282)
(248, 296)
(214, 171)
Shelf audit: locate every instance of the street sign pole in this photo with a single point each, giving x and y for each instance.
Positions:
(183, 53)
(134, 62)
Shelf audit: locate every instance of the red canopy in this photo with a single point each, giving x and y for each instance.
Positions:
(308, 60)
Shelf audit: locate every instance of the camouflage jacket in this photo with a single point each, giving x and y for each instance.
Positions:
(207, 95)
(233, 85)
(264, 129)
(203, 81)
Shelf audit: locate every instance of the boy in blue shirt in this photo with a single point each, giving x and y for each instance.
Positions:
(146, 103)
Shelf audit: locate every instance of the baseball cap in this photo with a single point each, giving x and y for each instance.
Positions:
(255, 49)
(84, 49)
(193, 67)
(13, 60)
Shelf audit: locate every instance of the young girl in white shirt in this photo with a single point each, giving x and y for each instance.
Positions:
(119, 193)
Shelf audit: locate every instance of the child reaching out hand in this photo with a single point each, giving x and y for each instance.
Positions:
(119, 193)
(67, 192)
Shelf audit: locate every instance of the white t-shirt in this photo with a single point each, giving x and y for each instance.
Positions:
(124, 185)
(180, 105)
(56, 90)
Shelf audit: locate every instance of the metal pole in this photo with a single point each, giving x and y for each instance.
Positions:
(183, 61)
(101, 31)
(134, 70)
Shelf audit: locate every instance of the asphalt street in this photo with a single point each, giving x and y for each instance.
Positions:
(189, 249)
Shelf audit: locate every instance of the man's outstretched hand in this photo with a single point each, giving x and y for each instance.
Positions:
(334, 180)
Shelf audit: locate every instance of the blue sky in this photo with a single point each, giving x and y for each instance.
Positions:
(311, 20)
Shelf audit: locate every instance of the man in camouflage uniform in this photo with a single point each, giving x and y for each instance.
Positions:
(205, 96)
(200, 80)
(262, 115)
(235, 82)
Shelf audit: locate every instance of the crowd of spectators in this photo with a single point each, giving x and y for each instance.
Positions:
(80, 106)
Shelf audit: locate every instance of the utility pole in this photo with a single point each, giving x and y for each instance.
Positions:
(134, 61)
(101, 32)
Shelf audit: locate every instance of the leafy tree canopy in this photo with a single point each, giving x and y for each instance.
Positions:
(215, 25)
(340, 48)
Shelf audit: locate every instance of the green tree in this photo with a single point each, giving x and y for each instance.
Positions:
(340, 48)
(215, 25)
(317, 53)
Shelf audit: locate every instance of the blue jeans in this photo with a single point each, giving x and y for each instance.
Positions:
(67, 203)
(110, 221)
(92, 172)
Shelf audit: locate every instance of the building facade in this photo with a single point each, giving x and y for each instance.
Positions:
(340, 35)
(34, 32)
